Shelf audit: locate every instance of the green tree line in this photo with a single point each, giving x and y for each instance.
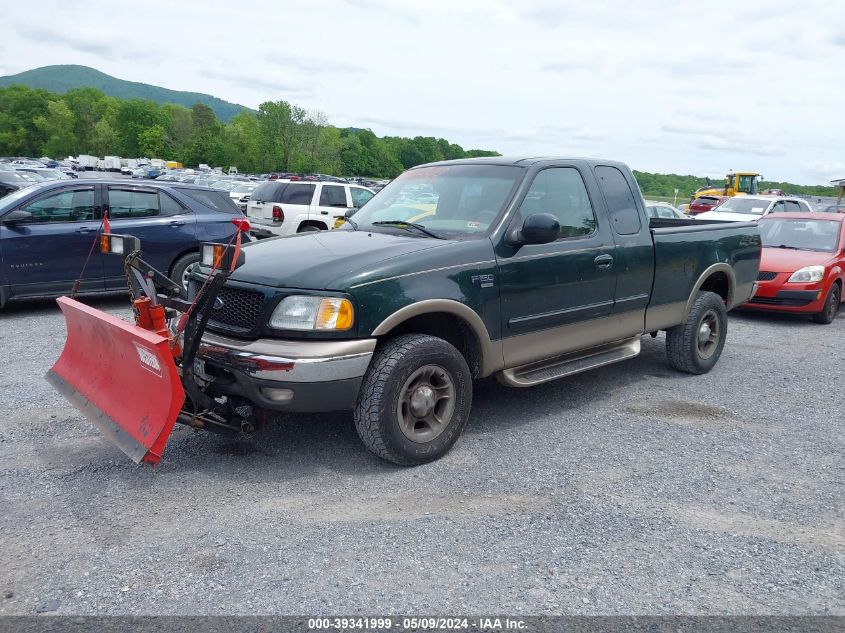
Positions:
(280, 136)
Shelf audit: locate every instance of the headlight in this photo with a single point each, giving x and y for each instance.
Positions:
(807, 275)
(312, 313)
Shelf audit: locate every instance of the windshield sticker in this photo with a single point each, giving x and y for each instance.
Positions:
(473, 225)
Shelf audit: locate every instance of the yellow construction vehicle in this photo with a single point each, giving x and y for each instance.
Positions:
(738, 183)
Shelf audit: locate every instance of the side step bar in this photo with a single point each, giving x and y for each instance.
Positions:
(568, 364)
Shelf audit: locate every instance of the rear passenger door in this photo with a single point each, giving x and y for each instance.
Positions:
(332, 203)
(634, 259)
(165, 227)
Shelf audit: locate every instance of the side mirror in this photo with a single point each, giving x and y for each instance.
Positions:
(539, 228)
(350, 212)
(17, 217)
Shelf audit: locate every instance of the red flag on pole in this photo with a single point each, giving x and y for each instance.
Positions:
(106, 225)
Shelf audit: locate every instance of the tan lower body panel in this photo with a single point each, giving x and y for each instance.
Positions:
(553, 342)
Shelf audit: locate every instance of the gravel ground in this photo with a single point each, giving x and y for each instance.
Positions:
(629, 490)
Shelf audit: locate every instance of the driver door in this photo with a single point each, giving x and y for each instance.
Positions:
(47, 253)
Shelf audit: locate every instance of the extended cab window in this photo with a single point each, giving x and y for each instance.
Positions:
(561, 192)
(68, 206)
(620, 200)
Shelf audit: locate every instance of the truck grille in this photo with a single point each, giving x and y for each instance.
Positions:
(240, 310)
(765, 275)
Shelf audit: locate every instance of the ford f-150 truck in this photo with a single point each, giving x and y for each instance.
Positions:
(528, 269)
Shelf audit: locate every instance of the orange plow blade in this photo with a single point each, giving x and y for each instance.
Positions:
(121, 377)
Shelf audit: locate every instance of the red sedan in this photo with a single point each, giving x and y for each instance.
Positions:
(802, 268)
(705, 204)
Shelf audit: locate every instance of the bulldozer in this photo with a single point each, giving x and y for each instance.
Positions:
(736, 184)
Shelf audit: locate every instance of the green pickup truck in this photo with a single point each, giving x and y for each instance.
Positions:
(528, 269)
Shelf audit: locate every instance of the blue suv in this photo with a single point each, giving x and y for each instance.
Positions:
(47, 231)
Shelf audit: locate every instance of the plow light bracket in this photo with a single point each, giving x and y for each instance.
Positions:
(221, 255)
(123, 245)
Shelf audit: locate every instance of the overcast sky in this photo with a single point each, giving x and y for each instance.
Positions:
(684, 87)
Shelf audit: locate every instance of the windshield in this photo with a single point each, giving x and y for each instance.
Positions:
(454, 201)
(809, 235)
(744, 205)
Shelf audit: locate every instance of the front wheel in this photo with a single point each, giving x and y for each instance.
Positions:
(182, 269)
(414, 401)
(831, 306)
(695, 345)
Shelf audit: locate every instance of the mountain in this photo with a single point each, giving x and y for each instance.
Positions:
(63, 78)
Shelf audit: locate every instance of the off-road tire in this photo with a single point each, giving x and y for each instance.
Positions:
(375, 414)
(831, 306)
(683, 349)
(177, 271)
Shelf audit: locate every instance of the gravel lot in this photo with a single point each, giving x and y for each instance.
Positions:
(629, 490)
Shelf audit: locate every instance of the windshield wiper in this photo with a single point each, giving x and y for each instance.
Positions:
(794, 248)
(408, 225)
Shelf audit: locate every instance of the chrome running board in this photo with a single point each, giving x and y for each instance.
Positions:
(568, 364)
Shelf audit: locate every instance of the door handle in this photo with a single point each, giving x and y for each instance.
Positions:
(324, 212)
(604, 261)
(84, 229)
(177, 223)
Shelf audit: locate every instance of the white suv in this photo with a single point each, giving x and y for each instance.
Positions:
(284, 207)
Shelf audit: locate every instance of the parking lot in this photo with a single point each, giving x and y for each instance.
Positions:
(629, 490)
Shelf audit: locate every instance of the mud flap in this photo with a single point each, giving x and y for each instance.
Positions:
(121, 377)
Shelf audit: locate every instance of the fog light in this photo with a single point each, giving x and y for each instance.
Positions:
(279, 396)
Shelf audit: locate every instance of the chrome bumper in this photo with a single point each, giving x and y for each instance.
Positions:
(304, 361)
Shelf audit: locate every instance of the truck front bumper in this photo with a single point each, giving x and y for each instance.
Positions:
(286, 375)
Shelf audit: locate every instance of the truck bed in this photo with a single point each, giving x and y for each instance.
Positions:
(685, 249)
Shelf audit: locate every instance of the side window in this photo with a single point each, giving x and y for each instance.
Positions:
(333, 196)
(67, 206)
(124, 203)
(168, 205)
(620, 200)
(360, 197)
(792, 205)
(561, 192)
(778, 207)
(296, 193)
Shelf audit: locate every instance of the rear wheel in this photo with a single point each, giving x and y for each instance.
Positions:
(415, 400)
(831, 306)
(695, 345)
(308, 228)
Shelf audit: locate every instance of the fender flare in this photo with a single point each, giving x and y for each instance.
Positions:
(720, 267)
(490, 352)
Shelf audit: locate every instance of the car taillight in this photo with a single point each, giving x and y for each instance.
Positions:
(278, 214)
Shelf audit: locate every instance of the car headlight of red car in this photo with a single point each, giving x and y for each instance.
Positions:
(807, 275)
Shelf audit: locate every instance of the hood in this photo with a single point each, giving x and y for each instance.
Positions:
(787, 260)
(728, 217)
(315, 260)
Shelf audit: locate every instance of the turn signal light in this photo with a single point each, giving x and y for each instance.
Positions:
(220, 256)
(111, 244)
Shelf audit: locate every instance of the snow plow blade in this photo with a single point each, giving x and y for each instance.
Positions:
(121, 377)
